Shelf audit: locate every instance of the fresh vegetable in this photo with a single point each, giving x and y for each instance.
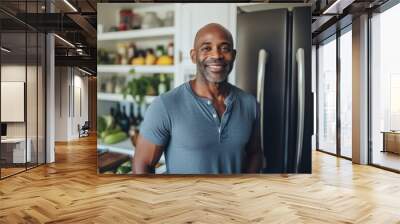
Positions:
(124, 168)
(127, 163)
(109, 121)
(138, 61)
(101, 124)
(115, 138)
(165, 60)
(109, 132)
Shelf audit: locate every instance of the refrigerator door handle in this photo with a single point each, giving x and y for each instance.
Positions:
(262, 61)
(301, 105)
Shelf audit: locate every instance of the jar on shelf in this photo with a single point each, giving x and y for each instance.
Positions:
(109, 87)
(112, 58)
(136, 21)
(103, 85)
(119, 84)
(151, 20)
(169, 19)
(122, 52)
(113, 82)
(125, 19)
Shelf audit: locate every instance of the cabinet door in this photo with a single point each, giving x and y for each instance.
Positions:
(196, 15)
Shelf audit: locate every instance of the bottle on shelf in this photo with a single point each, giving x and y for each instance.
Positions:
(132, 52)
(133, 130)
(170, 49)
(162, 87)
(132, 118)
(118, 114)
(124, 120)
(160, 51)
(139, 117)
(112, 113)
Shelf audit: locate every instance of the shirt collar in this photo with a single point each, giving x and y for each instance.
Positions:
(228, 100)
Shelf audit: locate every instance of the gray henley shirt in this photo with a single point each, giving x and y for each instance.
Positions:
(196, 139)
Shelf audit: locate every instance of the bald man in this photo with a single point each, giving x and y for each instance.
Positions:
(206, 125)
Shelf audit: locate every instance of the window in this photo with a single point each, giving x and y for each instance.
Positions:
(385, 88)
(394, 102)
(22, 75)
(346, 93)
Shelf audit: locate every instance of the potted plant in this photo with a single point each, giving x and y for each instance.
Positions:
(138, 88)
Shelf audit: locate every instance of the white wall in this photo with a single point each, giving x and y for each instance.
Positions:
(80, 94)
(70, 83)
(61, 103)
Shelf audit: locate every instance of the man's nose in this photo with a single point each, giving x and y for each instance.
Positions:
(217, 54)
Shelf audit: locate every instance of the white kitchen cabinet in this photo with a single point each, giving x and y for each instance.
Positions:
(143, 38)
(192, 17)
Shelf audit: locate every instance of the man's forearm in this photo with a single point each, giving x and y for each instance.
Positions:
(139, 167)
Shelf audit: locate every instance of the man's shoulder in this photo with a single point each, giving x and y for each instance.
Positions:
(244, 96)
(248, 101)
(172, 98)
(174, 94)
(168, 101)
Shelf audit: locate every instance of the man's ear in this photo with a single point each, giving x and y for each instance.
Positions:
(193, 56)
(234, 54)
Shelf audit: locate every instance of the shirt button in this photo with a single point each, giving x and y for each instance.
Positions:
(209, 102)
(219, 130)
(214, 115)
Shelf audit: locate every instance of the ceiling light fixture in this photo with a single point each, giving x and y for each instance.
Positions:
(84, 71)
(64, 40)
(70, 5)
(5, 49)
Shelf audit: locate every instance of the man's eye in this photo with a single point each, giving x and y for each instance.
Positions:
(226, 49)
(206, 48)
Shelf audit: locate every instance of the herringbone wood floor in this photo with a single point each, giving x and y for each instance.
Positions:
(70, 191)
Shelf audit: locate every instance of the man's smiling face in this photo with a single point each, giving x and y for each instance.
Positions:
(213, 53)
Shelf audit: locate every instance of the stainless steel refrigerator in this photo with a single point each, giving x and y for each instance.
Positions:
(274, 64)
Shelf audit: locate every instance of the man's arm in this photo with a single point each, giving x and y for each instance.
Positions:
(254, 157)
(146, 156)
